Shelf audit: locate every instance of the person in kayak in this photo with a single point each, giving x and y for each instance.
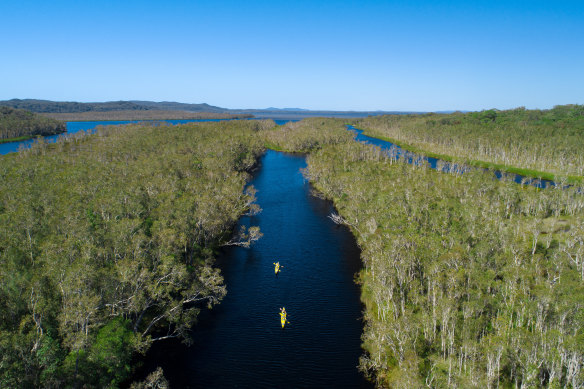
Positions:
(283, 316)
(277, 268)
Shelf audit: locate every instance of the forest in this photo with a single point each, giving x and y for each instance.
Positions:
(538, 143)
(468, 281)
(108, 241)
(107, 245)
(18, 124)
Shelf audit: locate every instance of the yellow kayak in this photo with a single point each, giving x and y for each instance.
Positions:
(277, 268)
(283, 318)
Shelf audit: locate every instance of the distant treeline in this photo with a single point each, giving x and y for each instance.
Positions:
(538, 141)
(47, 106)
(70, 106)
(18, 123)
(468, 282)
(141, 115)
(107, 245)
(174, 106)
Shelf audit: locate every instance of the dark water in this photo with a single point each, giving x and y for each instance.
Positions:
(443, 165)
(73, 127)
(240, 342)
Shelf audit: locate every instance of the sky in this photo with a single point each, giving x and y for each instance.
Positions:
(324, 55)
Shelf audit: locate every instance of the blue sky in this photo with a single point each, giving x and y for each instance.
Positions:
(335, 55)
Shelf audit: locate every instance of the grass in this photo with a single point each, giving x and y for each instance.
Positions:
(19, 139)
(272, 146)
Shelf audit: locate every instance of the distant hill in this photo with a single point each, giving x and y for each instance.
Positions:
(18, 123)
(174, 106)
(46, 106)
(53, 107)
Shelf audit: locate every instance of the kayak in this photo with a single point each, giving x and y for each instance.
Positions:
(277, 268)
(283, 319)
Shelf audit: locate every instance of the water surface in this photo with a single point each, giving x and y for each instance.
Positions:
(240, 342)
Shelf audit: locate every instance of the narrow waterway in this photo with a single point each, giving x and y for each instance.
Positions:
(240, 342)
(438, 164)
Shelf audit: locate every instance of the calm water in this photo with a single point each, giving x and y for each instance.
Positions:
(240, 342)
(73, 127)
(438, 164)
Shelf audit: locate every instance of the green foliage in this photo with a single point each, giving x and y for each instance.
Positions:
(107, 242)
(18, 123)
(550, 141)
(307, 135)
(468, 281)
(462, 282)
(106, 363)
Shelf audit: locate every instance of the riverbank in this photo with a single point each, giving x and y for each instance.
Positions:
(19, 139)
(442, 252)
(456, 267)
(529, 173)
(18, 125)
(546, 143)
(114, 237)
(320, 346)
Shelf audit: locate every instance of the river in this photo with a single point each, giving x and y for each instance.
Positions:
(240, 342)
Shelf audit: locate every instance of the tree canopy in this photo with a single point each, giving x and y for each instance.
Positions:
(107, 244)
(18, 123)
(468, 281)
(543, 141)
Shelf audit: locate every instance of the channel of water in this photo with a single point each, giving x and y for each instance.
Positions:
(438, 164)
(240, 342)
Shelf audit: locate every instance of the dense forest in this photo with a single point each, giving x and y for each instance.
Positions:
(540, 143)
(468, 281)
(107, 244)
(20, 124)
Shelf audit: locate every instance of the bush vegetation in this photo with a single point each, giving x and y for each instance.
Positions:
(467, 281)
(107, 244)
(543, 141)
(20, 124)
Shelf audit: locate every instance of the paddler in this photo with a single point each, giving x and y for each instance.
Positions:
(283, 316)
(277, 268)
